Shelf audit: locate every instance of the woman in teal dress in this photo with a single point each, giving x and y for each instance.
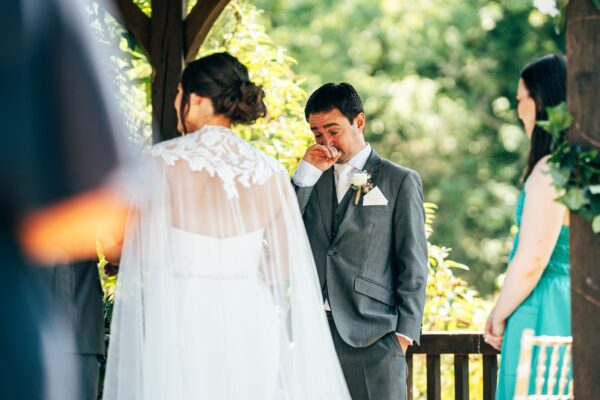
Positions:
(536, 292)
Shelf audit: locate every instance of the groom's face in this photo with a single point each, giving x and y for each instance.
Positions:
(332, 128)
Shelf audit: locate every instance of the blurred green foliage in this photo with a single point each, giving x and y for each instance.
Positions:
(283, 133)
(438, 81)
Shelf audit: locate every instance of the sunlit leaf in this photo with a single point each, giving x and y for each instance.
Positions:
(574, 199)
(596, 224)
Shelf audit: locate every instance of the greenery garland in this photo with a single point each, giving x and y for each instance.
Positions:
(575, 170)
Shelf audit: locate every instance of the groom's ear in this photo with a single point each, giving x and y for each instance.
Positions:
(360, 121)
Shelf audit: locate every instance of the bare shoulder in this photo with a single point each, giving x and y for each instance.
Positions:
(540, 180)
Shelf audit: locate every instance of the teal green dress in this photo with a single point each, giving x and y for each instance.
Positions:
(547, 310)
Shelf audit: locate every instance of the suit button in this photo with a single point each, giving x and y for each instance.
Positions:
(331, 252)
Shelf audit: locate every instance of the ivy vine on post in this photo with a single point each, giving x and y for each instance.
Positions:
(575, 170)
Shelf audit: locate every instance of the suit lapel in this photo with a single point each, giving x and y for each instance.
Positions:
(324, 188)
(372, 167)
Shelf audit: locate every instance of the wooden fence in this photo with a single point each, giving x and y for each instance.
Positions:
(461, 345)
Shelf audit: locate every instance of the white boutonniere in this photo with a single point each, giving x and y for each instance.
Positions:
(361, 183)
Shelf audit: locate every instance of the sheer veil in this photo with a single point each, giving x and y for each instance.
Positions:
(217, 279)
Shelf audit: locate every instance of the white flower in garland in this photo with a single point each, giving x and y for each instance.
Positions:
(547, 7)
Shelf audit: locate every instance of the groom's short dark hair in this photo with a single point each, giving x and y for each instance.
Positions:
(335, 95)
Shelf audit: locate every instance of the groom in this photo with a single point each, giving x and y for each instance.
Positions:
(368, 240)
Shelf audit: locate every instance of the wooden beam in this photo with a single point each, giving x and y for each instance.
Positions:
(583, 86)
(461, 377)
(133, 19)
(409, 376)
(198, 23)
(453, 343)
(434, 378)
(490, 377)
(167, 60)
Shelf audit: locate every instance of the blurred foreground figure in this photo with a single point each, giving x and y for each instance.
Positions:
(58, 158)
(76, 291)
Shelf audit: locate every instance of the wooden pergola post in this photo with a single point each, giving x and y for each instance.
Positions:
(167, 39)
(583, 92)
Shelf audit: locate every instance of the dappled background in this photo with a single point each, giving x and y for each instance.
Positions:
(438, 80)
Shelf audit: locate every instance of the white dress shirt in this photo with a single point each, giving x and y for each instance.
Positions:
(307, 175)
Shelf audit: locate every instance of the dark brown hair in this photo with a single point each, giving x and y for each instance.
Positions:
(546, 81)
(342, 96)
(223, 79)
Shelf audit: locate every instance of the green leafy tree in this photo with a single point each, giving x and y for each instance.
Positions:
(283, 133)
(438, 78)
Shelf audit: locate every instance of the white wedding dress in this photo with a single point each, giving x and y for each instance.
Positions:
(218, 296)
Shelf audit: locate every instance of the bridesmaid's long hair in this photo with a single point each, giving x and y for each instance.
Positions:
(546, 82)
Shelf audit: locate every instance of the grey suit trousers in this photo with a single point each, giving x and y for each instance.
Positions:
(375, 372)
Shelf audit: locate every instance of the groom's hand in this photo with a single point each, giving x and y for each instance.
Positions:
(404, 343)
(322, 156)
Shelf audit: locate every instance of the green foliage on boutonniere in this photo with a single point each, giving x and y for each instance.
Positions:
(575, 170)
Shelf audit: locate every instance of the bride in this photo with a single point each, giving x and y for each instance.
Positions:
(217, 295)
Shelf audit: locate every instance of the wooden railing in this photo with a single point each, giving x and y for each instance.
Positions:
(461, 345)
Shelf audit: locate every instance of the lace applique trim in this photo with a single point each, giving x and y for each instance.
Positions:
(220, 152)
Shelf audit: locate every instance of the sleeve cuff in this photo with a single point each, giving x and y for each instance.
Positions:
(306, 174)
(410, 327)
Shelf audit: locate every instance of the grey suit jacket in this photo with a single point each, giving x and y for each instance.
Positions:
(376, 266)
(77, 294)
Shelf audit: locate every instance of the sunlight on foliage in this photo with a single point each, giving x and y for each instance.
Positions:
(438, 81)
(284, 133)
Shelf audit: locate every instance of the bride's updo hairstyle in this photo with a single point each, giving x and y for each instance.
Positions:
(223, 79)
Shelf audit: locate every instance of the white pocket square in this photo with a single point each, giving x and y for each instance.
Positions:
(375, 198)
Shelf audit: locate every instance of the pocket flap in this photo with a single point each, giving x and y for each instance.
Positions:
(374, 290)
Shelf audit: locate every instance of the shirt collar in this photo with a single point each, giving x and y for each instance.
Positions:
(359, 160)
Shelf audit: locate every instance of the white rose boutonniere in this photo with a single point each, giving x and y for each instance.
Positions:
(361, 183)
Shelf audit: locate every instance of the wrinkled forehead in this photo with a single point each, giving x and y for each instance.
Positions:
(327, 119)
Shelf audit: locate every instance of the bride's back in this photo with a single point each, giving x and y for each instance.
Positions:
(219, 248)
(217, 185)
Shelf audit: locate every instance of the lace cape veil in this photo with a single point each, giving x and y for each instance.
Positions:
(213, 185)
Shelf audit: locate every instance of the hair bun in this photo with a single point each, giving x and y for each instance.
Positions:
(246, 103)
(225, 80)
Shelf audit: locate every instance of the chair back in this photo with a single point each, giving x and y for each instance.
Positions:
(551, 382)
